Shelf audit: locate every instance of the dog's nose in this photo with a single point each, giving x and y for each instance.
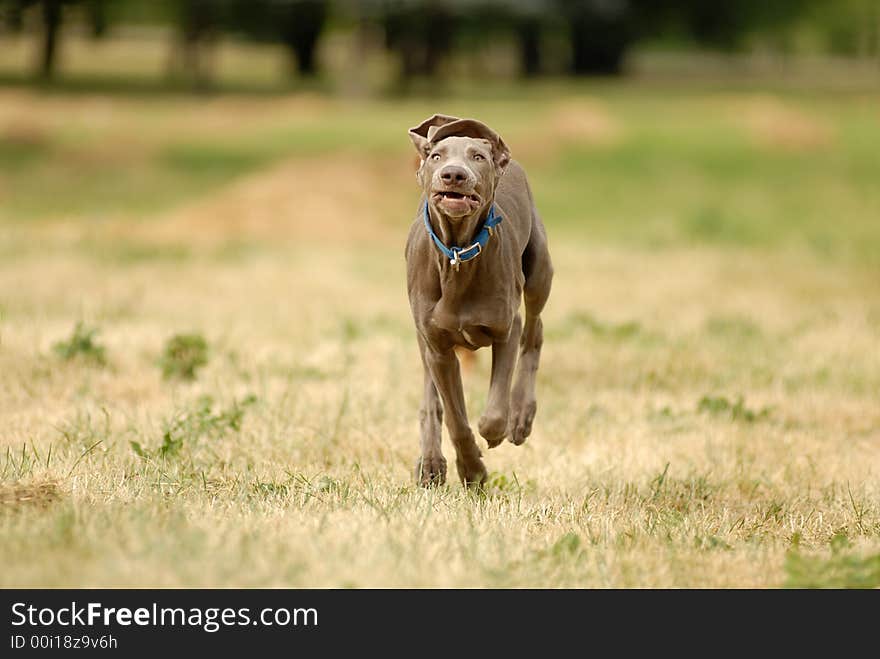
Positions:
(453, 175)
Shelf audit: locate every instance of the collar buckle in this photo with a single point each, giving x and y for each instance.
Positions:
(474, 250)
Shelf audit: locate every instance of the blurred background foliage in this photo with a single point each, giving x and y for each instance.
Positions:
(430, 39)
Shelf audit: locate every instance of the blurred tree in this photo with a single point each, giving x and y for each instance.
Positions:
(198, 22)
(517, 23)
(600, 31)
(96, 11)
(13, 15)
(51, 17)
(419, 32)
(422, 34)
(849, 27)
(298, 24)
(723, 25)
(51, 12)
(528, 32)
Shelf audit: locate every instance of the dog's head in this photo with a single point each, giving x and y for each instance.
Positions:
(461, 162)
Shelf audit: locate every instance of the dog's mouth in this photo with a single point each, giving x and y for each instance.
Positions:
(459, 203)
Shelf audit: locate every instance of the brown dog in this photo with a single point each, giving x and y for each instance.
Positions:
(477, 248)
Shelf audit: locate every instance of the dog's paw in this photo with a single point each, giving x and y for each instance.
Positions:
(431, 471)
(472, 473)
(523, 418)
(493, 429)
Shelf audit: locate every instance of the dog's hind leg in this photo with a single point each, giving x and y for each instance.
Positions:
(538, 271)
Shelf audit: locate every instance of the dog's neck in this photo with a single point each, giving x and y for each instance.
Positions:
(459, 231)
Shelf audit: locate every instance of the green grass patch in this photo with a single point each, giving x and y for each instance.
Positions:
(183, 355)
(736, 410)
(17, 154)
(668, 184)
(186, 428)
(82, 345)
(843, 569)
(584, 321)
(213, 161)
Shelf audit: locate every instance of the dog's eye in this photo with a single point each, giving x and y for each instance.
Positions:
(435, 157)
(478, 157)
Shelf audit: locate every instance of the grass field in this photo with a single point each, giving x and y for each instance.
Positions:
(708, 396)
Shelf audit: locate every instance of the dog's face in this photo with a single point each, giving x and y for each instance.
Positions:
(458, 175)
(461, 161)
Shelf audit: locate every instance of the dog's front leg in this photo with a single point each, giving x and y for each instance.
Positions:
(494, 422)
(431, 466)
(443, 366)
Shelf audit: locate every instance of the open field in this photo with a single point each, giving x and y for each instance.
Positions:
(708, 397)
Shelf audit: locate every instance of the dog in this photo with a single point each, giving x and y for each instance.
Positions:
(476, 250)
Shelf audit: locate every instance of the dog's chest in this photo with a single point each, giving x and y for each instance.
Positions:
(477, 314)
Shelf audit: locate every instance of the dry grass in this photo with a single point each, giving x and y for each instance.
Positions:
(772, 124)
(644, 469)
(39, 493)
(584, 121)
(639, 486)
(321, 199)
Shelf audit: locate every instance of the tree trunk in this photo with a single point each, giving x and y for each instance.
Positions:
(305, 56)
(597, 46)
(97, 13)
(51, 29)
(302, 24)
(438, 30)
(529, 33)
(14, 18)
(191, 55)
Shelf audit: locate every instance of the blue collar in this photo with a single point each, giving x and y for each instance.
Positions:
(457, 255)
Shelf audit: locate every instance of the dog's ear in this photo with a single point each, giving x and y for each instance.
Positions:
(502, 156)
(423, 134)
(479, 130)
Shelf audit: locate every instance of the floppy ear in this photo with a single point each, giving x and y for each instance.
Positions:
(501, 154)
(423, 134)
(479, 130)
